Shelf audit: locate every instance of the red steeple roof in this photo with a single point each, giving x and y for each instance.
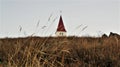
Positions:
(61, 26)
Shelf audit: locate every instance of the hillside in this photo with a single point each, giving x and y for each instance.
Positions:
(60, 52)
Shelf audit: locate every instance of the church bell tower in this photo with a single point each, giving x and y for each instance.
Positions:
(61, 31)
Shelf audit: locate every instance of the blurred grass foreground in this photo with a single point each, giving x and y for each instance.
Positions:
(60, 51)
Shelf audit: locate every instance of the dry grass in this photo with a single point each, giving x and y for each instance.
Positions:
(60, 52)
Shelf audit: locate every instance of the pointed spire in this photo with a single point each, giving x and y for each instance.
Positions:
(61, 26)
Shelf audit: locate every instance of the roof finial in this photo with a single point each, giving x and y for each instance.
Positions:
(60, 12)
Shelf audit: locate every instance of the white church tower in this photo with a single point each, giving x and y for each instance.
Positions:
(61, 31)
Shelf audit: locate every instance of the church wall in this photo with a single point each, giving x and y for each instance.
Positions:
(60, 33)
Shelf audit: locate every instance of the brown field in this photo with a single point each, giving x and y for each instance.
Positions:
(60, 52)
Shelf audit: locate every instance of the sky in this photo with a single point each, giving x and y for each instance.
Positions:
(19, 18)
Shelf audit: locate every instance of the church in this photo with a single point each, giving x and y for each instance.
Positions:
(61, 31)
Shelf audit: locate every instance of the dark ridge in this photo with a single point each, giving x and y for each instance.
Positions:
(104, 36)
(114, 35)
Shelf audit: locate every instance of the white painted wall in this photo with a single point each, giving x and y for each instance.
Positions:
(60, 33)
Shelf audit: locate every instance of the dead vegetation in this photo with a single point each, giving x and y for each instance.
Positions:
(60, 52)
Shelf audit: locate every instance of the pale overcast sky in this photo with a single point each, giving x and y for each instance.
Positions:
(101, 16)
